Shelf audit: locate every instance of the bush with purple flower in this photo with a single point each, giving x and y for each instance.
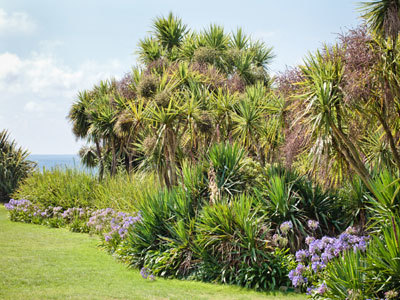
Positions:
(312, 261)
(111, 225)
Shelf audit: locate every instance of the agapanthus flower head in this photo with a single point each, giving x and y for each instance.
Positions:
(144, 272)
(351, 230)
(309, 240)
(313, 225)
(321, 289)
(301, 255)
(286, 227)
(392, 294)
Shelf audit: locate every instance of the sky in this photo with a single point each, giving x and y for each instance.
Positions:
(50, 50)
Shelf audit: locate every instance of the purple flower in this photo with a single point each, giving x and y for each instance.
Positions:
(321, 289)
(301, 255)
(309, 240)
(286, 227)
(313, 225)
(144, 273)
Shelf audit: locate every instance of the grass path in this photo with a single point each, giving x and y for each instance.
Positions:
(37, 262)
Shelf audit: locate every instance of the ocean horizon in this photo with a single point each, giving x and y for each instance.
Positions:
(50, 161)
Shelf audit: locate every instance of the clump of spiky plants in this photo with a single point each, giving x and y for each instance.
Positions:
(14, 165)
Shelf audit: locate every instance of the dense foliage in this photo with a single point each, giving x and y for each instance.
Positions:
(260, 179)
(14, 166)
(76, 188)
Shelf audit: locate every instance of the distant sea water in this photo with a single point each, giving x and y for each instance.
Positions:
(50, 161)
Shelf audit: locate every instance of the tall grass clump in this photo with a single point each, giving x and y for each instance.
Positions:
(70, 188)
(14, 166)
(123, 192)
(59, 187)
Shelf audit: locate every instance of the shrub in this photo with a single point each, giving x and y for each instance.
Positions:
(346, 278)
(383, 257)
(286, 196)
(14, 166)
(234, 246)
(111, 225)
(226, 160)
(159, 211)
(75, 188)
(58, 187)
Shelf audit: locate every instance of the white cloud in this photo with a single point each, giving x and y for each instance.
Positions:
(16, 22)
(36, 94)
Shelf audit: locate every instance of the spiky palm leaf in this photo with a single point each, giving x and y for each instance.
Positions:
(14, 165)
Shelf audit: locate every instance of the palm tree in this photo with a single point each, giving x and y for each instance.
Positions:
(249, 120)
(169, 31)
(383, 17)
(324, 111)
(14, 165)
(166, 127)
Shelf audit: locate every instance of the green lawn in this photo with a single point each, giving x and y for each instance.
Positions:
(37, 262)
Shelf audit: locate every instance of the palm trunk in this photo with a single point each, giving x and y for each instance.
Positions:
(353, 161)
(101, 162)
(390, 138)
(114, 157)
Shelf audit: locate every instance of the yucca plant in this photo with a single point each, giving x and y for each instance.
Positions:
(385, 198)
(14, 165)
(159, 212)
(227, 160)
(233, 242)
(383, 256)
(345, 277)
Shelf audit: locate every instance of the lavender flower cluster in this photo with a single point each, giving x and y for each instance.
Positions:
(23, 209)
(106, 222)
(313, 260)
(112, 223)
(146, 274)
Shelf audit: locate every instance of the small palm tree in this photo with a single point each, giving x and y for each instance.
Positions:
(14, 166)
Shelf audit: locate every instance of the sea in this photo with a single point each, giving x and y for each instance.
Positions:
(50, 161)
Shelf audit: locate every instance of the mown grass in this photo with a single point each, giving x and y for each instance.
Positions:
(43, 263)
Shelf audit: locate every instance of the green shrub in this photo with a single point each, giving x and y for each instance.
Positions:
(286, 196)
(75, 188)
(226, 160)
(345, 277)
(160, 212)
(59, 187)
(233, 243)
(123, 192)
(383, 257)
(14, 166)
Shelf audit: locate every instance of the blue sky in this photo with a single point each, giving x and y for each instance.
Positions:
(49, 50)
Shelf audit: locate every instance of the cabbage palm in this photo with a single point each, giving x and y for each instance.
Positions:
(249, 123)
(169, 31)
(383, 17)
(79, 116)
(239, 40)
(222, 107)
(14, 165)
(150, 50)
(324, 111)
(165, 124)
